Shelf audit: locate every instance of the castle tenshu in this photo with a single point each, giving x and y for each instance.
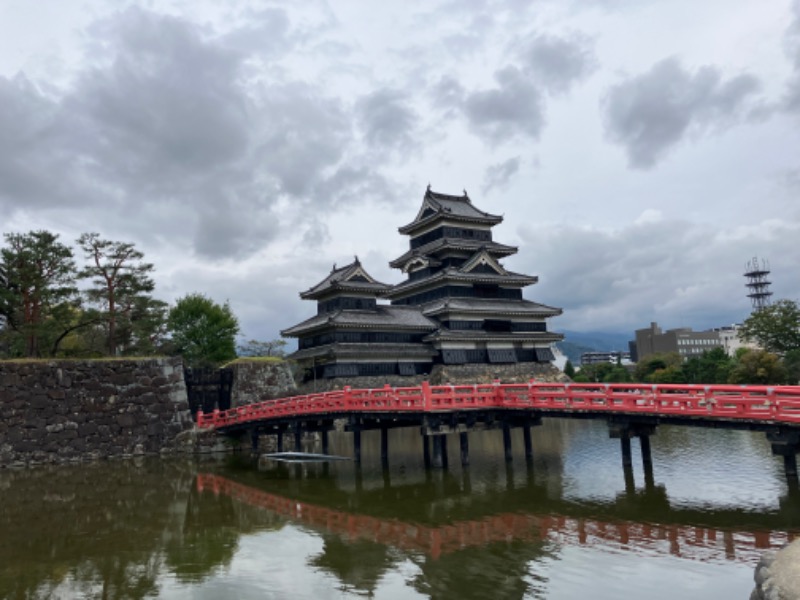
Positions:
(458, 304)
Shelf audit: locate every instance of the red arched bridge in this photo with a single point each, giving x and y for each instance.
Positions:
(632, 410)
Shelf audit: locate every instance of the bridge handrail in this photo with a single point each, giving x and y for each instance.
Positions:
(771, 403)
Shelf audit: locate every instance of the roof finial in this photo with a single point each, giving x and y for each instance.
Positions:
(429, 186)
(356, 257)
(465, 193)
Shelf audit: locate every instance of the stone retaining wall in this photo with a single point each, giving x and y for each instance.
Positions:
(256, 380)
(445, 374)
(66, 411)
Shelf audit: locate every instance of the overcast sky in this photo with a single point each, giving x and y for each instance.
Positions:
(641, 151)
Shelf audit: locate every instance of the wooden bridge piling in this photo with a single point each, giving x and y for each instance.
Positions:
(438, 452)
(526, 436)
(298, 437)
(357, 445)
(464, 440)
(507, 442)
(426, 451)
(384, 446)
(279, 440)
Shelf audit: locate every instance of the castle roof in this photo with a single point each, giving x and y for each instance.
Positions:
(383, 318)
(442, 244)
(545, 337)
(481, 268)
(376, 351)
(437, 206)
(487, 306)
(350, 278)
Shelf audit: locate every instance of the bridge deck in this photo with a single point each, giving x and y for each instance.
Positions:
(751, 407)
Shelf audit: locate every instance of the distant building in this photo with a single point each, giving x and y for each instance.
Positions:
(613, 356)
(684, 341)
(730, 338)
(458, 305)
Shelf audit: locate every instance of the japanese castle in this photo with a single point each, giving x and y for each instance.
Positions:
(457, 306)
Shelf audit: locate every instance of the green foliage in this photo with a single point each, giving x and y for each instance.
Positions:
(775, 328)
(203, 332)
(758, 367)
(37, 292)
(121, 285)
(646, 369)
(569, 369)
(602, 373)
(791, 362)
(713, 366)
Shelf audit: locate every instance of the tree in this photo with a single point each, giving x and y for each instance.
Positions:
(203, 332)
(37, 289)
(257, 348)
(713, 366)
(775, 328)
(758, 367)
(121, 283)
(791, 362)
(569, 369)
(646, 367)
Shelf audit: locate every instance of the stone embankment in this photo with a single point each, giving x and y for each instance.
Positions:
(777, 575)
(445, 374)
(71, 410)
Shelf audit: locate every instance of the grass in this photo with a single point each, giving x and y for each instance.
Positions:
(253, 359)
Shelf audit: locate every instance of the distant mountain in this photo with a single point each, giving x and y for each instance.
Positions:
(599, 340)
(576, 343)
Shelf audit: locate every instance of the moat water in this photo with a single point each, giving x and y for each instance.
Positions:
(568, 525)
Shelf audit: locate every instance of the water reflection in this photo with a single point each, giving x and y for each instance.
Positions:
(570, 519)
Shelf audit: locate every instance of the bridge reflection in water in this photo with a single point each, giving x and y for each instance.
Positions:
(561, 522)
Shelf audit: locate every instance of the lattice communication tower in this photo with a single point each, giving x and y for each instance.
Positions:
(757, 283)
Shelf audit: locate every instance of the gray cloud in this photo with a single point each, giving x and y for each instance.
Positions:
(791, 98)
(650, 113)
(166, 121)
(511, 110)
(676, 272)
(558, 62)
(498, 176)
(387, 120)
(447, 93)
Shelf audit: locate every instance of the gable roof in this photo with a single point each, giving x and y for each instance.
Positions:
(436, 206)
(443, 244)
(485, 262)
(352, 277)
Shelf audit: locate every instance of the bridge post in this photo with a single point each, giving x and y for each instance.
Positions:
(298, 437)
(625, 442)
(357, 444)
(507, 442)
(426, 450)
(786, 444)
(384, 445)
(526, 434)
(445, 460)
(437, 451)
(647, 461)
(279, 441)
(254, 440)
(464, 439)
(324, 434)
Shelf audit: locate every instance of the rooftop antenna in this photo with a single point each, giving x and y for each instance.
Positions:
(757, 283)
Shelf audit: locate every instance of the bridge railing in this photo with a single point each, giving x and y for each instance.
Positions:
(764, 403)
